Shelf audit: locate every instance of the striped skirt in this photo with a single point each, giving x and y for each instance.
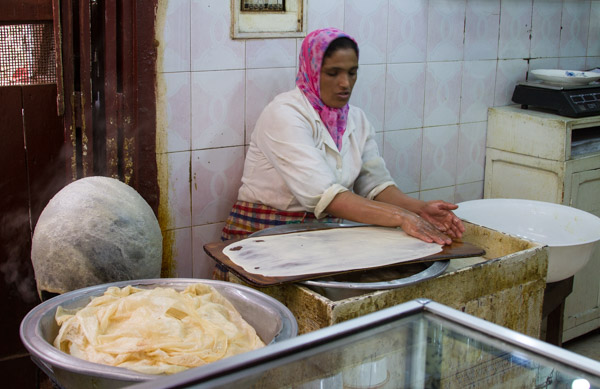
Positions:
(246, 218)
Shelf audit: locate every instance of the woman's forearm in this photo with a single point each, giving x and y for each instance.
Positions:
(393, 195)
(350, 206)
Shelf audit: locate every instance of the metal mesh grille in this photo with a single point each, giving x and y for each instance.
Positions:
(27, 54)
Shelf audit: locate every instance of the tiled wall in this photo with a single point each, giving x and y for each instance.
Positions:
(429, 69)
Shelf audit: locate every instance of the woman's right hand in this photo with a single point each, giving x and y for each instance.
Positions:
(420, 228)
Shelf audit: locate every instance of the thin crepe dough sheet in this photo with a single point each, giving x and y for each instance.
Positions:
(327, 250)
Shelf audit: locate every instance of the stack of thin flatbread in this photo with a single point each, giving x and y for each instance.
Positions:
(155, 331)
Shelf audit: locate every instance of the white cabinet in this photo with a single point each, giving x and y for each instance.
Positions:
(541, 156)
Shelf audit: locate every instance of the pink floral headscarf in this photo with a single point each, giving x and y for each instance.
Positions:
(308, 80)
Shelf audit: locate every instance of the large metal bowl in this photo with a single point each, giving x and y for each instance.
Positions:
(271, 319)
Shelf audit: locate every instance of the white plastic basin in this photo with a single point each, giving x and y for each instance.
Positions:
(570, 234)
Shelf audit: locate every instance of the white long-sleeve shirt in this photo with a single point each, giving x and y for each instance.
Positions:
(293, 163)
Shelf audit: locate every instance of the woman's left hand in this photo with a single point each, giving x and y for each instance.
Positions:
(439, 213)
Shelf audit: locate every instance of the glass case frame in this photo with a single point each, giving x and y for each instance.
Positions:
(418, 344)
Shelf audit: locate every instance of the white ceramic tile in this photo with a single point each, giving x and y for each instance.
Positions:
(545, 28)
(515, 27)
(467, 192)
(179, 242)
(508, 74)
(574, 63)
(407, 31)
(402, 155)
(217, 109)
(270, 53)
(575, 27)
(176, 100)
(178, 191)
(366, 22)
(404, 96)
(445, 194)
(379, 140)
(368, 93)
(471, 152)
(325, 13)
(262, 85)
(593, 47)
(216, 179)
(481, 29)
(445, 30)
(439, 157)
(176, 37)
(203, 265)
(592, 62)
(212, 47)
(442, 93)
(478, 80)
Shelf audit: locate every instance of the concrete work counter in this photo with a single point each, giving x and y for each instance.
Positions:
(505, 286)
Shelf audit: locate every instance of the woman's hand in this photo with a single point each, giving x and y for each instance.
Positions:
(423, 229)
(439, 213)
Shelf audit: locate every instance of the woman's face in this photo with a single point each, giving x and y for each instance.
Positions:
(338, 75)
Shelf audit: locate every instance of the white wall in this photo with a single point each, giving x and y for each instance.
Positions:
(429, 69)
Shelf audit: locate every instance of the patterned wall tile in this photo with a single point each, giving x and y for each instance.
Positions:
(216, 179)
(593, 47)
(368, 93)
(203, 264)
(478, 82)
(270, 53)
(515, 28)
(325, 13)
(176, 37)
(177, 101)
(262, 85)
(482, 23)
(471, 152)
(442, 93)
(509, 73)
(467, 192)
(575, 27)
(446, 194)
(407, 31)
(217, 109)
(402, 155)
(180, 244)
(439, 157)
(178, 191)
(366, 21)
(404, 96)
(545, 28)
(445, 30)
(212, 47)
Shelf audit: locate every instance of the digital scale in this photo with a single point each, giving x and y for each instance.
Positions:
(566, 100)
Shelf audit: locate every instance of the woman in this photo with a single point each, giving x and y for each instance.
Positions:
(314, 157)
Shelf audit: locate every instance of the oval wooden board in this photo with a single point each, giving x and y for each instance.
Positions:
(457, 249)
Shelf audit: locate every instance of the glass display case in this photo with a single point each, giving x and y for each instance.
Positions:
(418, 344)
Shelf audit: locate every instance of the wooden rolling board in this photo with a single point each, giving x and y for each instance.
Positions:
(457, 249)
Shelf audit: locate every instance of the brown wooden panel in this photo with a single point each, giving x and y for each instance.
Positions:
(68, 86)
(18, 11)
(44, 137)
(85, 86)
(111, 98)
(17, 286)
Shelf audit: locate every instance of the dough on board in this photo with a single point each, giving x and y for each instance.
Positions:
(327, 250)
